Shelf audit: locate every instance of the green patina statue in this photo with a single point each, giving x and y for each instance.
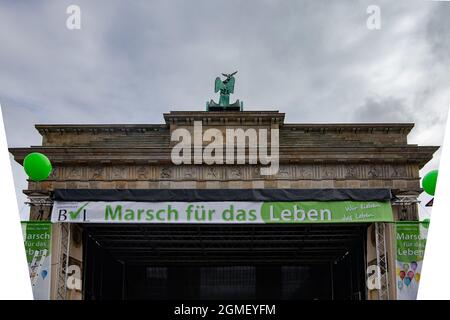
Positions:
(226, 87)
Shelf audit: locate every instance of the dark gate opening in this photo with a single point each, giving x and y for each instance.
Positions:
(161, 261)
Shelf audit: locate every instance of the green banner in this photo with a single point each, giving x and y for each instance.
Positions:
(411, 239)
(223, 212)
(37, 237)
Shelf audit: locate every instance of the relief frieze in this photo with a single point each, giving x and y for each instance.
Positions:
(241, 172)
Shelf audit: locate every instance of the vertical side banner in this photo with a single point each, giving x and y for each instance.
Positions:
(37, 239)
(411, 240)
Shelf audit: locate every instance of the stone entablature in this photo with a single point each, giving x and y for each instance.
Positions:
(398, 177)
(158, 135)
(311, 155)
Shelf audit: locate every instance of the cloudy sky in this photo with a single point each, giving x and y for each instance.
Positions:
(314, 60)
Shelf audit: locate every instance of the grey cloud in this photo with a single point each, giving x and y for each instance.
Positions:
(437, 32)
(389, 109)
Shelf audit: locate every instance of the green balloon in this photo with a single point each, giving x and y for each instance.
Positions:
(37, 166)
(426, 223)
(429, 182)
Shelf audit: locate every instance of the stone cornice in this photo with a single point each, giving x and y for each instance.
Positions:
(403, 128)
(224, 118)
(98, 128)
(64, 155)
(243, 118)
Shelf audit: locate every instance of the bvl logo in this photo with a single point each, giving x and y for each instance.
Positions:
(78, 214)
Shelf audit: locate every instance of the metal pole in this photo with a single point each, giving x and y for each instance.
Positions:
(63, 261)
(67, 261)
(380, 243)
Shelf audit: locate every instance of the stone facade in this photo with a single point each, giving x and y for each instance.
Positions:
(311, 156)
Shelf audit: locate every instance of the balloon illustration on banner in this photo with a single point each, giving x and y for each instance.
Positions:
(407, 281)
(37, 166)
(44, 273)
(407, 275)
(429, 182)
